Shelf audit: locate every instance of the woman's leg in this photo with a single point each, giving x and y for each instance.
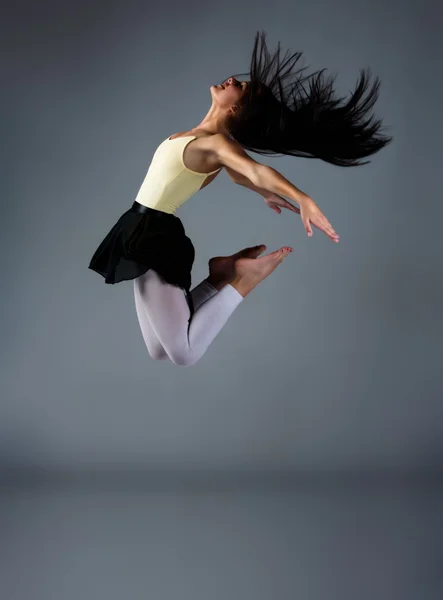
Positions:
(154, 347)
(167, 312)
(221, 272)
(202, 292)
(165, 316)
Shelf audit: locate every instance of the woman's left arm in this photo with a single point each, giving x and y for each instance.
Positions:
(271, 199)
(231, 154)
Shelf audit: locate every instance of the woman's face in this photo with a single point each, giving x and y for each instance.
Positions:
(229, 92)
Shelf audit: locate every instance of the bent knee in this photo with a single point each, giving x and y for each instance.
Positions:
(184, 358)
(158, 354)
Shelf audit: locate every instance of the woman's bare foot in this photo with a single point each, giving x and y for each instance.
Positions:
(250, 272)
(222, 268)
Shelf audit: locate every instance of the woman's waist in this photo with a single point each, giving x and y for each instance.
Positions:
(143, 209)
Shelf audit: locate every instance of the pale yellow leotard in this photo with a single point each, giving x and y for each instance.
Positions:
(168, 182)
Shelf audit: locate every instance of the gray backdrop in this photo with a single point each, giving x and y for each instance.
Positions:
(326, 377)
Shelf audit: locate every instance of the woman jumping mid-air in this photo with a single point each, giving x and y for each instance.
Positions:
(270, 113)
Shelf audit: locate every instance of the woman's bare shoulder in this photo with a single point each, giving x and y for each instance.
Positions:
(222, 141)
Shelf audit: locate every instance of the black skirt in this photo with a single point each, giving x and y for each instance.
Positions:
(145, 238)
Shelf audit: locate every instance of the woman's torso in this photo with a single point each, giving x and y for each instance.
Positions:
(182, 165)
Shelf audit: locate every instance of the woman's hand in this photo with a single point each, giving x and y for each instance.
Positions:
(309, 213)
(276, 202)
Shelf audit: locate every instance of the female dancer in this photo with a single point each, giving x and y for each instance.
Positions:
(148, 244)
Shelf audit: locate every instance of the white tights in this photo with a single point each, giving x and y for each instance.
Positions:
(163, 314)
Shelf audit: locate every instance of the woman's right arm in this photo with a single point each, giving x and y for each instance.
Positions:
(240, 179)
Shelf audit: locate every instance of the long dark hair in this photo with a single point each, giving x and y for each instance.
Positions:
(278, 115)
